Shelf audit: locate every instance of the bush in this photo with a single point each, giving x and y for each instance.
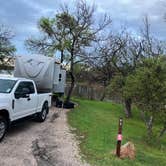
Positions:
(147, 88)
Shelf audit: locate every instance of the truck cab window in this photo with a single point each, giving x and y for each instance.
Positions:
(28, 85)
(6, 86)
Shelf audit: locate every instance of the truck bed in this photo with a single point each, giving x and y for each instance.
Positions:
(42, 97)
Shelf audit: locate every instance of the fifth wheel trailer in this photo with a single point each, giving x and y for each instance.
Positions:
(29, 91)
(48, 75)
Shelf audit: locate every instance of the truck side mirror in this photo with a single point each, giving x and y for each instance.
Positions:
(23, 94)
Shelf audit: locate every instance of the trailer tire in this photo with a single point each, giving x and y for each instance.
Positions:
(41, 116)
(3, 127)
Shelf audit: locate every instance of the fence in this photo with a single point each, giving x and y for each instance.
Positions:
(92, 92)
(88, 92)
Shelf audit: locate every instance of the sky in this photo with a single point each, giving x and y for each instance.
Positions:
(21, 16)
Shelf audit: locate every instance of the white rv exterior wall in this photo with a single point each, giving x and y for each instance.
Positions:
(60, 87)
(38, 68)
(44, 71)
(56, 73)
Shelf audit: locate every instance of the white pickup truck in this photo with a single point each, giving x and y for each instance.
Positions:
(18, 99)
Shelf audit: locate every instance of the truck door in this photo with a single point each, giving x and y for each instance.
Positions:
(24, 106)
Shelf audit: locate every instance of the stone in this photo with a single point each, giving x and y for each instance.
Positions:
(127, 151)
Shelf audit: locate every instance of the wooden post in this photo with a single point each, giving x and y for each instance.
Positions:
(119, 137)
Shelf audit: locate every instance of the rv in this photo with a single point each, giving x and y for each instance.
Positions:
(29, 91)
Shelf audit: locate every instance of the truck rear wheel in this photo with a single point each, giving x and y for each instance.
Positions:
(41, 116)
(3, 127)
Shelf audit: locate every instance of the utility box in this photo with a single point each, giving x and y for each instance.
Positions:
(44, 71)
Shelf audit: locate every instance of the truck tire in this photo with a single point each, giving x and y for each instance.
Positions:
(3, 127)
(41, 116)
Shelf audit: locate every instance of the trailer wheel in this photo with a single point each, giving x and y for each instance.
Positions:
(41, 116)
(3, 127)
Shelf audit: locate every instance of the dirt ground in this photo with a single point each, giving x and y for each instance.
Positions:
(51, 143)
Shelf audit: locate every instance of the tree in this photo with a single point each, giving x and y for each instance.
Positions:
(126, 53)
(123, 52)
(71, 33)
(6, 47)
(116, 57)
(152, 47)
(147, 88)
(101, 64)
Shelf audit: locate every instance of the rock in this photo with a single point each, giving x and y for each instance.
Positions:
(127, 151)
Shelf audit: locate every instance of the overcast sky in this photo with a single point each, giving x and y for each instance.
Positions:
(22, 16)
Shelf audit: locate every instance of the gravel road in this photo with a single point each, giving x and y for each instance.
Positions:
(41, 144)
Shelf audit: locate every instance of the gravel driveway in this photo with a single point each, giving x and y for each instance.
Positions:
(41, 144)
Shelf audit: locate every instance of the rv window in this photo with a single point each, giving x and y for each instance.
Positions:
(60, 77)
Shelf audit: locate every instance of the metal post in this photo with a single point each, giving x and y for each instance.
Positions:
(119, 137)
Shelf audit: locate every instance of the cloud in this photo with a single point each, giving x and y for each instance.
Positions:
(130, 13)
(22, 15)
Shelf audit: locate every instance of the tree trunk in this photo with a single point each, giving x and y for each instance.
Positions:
(163, 131)
(91, 93)
(103, 96)
(72, 80)
(104, 91)
(128, 108)
(62, 56)
(71, 88)
(149, 128)
(149, 124)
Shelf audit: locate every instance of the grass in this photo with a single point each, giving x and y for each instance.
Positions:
(96, 126)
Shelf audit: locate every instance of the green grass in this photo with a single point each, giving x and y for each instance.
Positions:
(97, 122)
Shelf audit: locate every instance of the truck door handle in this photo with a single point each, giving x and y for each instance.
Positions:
(13, 103)
(28, 98)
